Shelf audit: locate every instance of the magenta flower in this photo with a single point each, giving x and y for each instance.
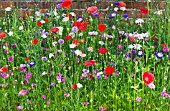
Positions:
(119, 47)
(86, 103)
(4, 75)
(48, 102)
(101, 109)
(33, 84)
(19, 108)
(29, 75)
(10, 59)
(44, 96)
(165, 49)
(23, 92)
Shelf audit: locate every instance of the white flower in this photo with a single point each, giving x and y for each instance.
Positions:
(51, 55)
(72, 13)
(72, 45)
(8, 9)
(54, 43)
(90, 49)
(42, 21)
(79, 85)
(72, 34)
(80, 34)
(43, 36)
(151, 85)
(55, 14)
(44, 73)
(131, 46)
(10, 33)
(99, 73)
(139, 21)
(78, 52)
(137, 46)
(113, 27)
(37, 13)
(65, 19)
(60, 30)
(21, 27)
(123, 8)
(101, 43)
(116, 9)
(158, 12)
(83, 55)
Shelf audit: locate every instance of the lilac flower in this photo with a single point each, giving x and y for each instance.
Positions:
(138, 99)
(98, 76)
(58, 6)
(29, 75)
(66, 95)
(151, 85)
(44, 58)
(116, 73)
(74, 29)
(52, 84)
(63, 80)
(19, 107)
(85, 71)
(61, 41)
(23, 92)
(77, 60)
(105, 77)
(26, 81)
(30, 102)
(44, 96)
(33, 84)
(135, 59)
(10, 59)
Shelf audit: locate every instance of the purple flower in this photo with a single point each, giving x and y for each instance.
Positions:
(117, 3)
(29, 75)
(135, 59)
(10, 59)
(117, 53)
(98, 76)
(125, 16)
(19, 107)
(138, 99)
(61, 41)
(116, 73)
(58, 6)
(14, 45)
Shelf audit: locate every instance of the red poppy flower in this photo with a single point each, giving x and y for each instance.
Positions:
(4, 69)
(68, 37)
(69, 15)
(101, 27)
(83, 26)
(54, 30)
(90, 76)
(93, 62)
(2, 35)
(43, 10)
(122, 4)
(144, 11)
(92, 9)
(35, 41)
(87, 63)
(163, 45)
(27, 59)
(77, 24)
(148, 78)
(74, 86)
(132, 39)
(109, 70)
(76, 42)
(102, 50)
(46, 19)
(39, 23)
(67, 4)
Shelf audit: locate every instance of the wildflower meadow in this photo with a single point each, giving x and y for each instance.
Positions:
(55, 60)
